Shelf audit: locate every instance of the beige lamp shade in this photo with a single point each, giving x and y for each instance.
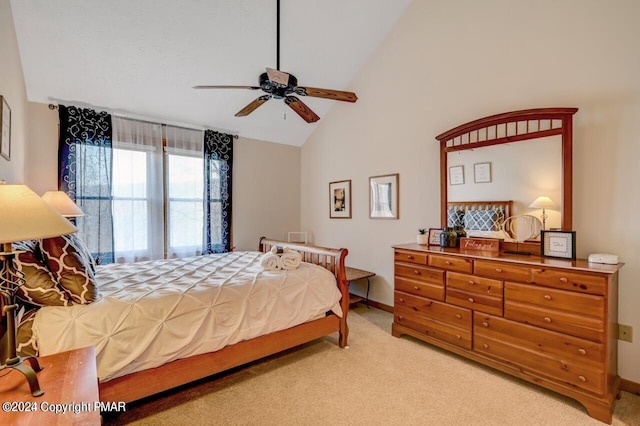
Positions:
(543, 202)
(25, 216)
(61, 203)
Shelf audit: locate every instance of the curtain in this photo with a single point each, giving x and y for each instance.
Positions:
(218, 160)
(185, 191)
(84, 164)
(138, 200)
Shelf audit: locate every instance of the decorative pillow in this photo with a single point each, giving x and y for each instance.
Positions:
(26, 344)
(484, 220)
(40, 287)
(455, 218)
(71, 268)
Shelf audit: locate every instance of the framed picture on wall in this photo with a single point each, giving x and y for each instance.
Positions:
(482, 172)
(5, 128)
(456, 175)
(340, 199)
(384, 197)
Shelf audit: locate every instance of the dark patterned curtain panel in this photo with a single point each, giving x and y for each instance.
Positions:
(218, 161)
(84, 164)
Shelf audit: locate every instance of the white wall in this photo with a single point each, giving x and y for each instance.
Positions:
(448, 62)
(266, 191)
(12, 88)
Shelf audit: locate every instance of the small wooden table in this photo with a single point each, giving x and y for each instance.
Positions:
(354, 274)
(69, 381)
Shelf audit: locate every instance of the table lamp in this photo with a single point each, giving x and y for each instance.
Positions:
(543, 202)
(61, 203)
(23, 216)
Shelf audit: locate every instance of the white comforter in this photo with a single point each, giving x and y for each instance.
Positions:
(154, 312)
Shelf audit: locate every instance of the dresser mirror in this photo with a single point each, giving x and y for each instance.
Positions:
(518, 155)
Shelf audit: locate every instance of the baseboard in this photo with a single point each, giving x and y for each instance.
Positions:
(380, 306)
(629, 386)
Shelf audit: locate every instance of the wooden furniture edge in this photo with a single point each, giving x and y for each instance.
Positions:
(151, 381)
(598, 407)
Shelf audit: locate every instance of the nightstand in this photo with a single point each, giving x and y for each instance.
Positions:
(67, 377)
(354, 274)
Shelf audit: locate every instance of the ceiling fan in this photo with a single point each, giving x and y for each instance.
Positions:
(282, 85)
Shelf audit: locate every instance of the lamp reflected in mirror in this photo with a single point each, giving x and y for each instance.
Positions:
(543, 202)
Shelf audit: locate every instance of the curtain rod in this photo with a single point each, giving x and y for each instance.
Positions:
(55, 107)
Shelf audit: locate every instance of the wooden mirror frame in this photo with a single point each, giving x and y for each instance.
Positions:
(476, 134)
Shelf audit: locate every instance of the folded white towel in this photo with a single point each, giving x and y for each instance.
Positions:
(271, 262)
(290, 259)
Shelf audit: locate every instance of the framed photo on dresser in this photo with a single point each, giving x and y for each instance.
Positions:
(561, 244)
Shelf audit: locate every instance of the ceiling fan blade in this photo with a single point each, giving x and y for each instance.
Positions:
(227, 87)
(278, 77)
(336, 95)
(301, 109)
(253, 106)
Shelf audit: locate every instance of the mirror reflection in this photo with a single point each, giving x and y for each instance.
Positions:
(520, 171)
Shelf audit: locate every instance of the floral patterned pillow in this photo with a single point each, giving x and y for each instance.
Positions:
(71, 268)
(26, 341)
(40, 287)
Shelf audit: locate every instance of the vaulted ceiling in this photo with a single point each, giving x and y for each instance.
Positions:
(141, 58)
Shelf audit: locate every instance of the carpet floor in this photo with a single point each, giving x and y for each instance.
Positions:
(378, 380)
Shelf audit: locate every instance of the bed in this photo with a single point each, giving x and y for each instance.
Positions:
(184, 316)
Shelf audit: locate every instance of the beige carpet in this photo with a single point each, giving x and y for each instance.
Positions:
(379, 380)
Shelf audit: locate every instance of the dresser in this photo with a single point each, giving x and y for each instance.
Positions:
(552, 322)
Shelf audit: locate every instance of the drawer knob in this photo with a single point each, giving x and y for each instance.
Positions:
(485, 324)
(547, 297)
(416, 272)
(401, 300)
(415, 287)
(409, 257)
(458, 336)
(400, 317)
(582, 351)
(446, 262)
(498, 269)
(471, 300)
(547, 319)
(564, 279)
(458, 316)
(472, 282)
(484, 345)
(582, 378)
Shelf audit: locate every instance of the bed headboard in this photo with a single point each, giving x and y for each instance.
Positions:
(505, 206)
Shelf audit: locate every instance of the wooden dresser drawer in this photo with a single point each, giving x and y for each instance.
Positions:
(576, 314)
(442, 312)
(419, 288)
(444, 331)
(574, 281)
(410, 256)
(419, 273)
(575, 361)
(451, 263)
(482, 294)
(502, 271)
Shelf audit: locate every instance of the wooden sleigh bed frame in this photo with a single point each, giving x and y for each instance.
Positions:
(152, 381)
